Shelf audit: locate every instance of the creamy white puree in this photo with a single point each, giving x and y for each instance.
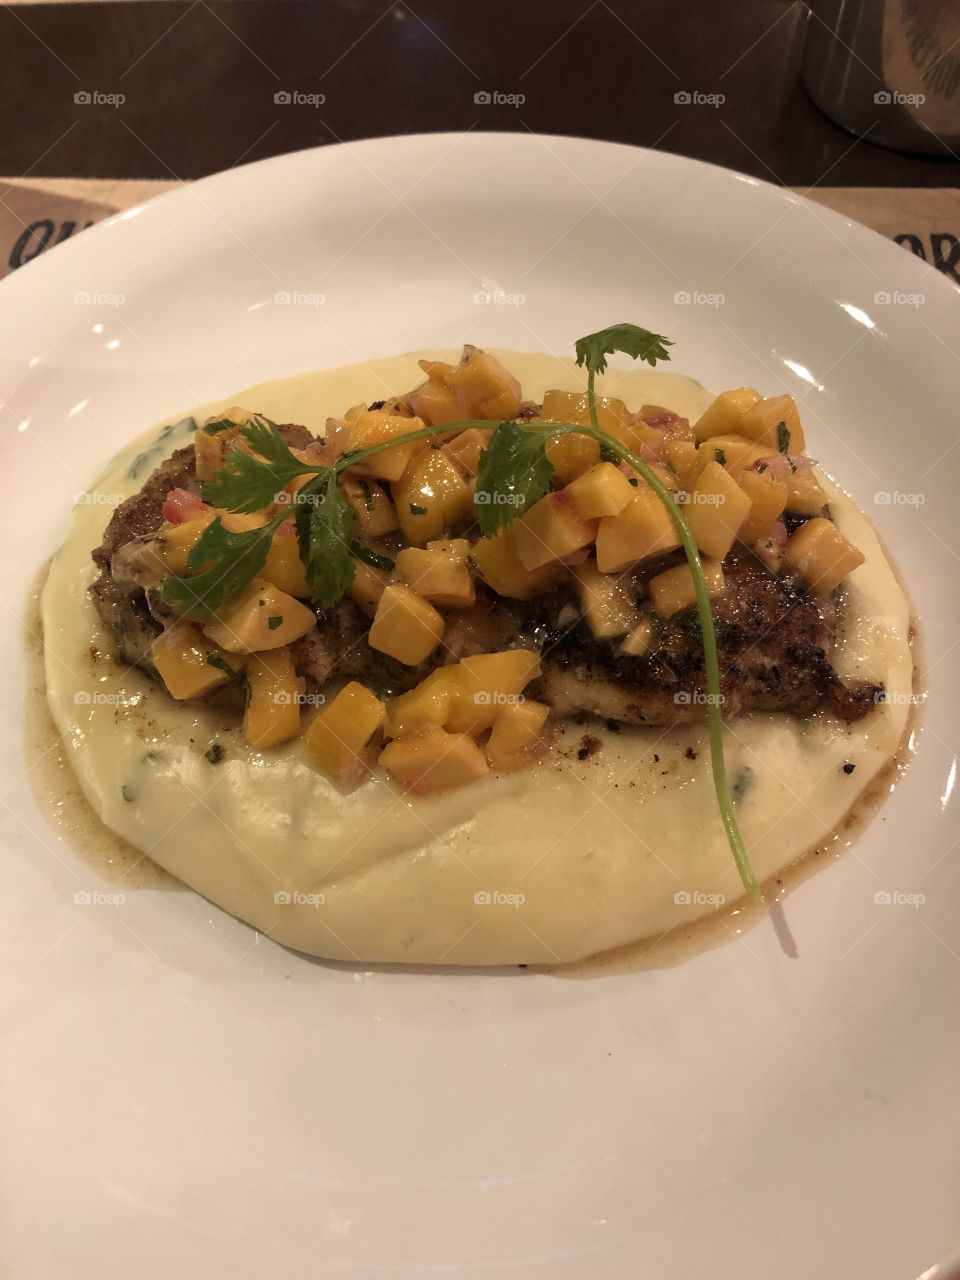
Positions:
(552, 865)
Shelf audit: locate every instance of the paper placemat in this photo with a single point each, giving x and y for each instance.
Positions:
(36, 214)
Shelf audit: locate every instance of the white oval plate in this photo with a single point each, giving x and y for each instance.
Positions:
(188, 1098)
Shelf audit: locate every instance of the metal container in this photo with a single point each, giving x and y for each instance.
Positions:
(888, 70)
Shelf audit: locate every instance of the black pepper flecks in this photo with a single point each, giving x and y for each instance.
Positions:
(215, 753)
(848, 767)
(614, 726)
(589, 745)
(690, 753)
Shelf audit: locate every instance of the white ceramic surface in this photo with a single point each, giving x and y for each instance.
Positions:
(182, 1097)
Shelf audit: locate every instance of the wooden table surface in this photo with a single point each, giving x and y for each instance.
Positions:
(200, 82)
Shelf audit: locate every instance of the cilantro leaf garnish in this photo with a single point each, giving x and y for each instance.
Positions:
(248, 483)
(513, 473)
(639, 344)
(220, 564)
(324, 525)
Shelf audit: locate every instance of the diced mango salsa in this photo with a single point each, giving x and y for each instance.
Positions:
(774, 422)
(373, 509)
(434, 761)
(716, 509)
(516, 739)
(486, 683)
(465, 449)
(272, 714)
(644, 528)
(374, 427)
(405, 626)
(602, 491)
(182, 655)
(259, 617)
(673, 590)
(340, 733)
(768, 497)
(820, 555)
(725, 413)
(498, 564)
(640, 640)
(441, 577)
(431, 497)
(283, 566)
(804, 495)
(606, 603)
(427, 706)
(551, 530)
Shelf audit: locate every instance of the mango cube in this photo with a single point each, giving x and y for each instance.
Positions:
(498, 564)
(465, 449)
(820, 555)
(181, 657)
(339, 734)
(434, 761)
(516, 739)
(682, 458)
(431, 497)
(439, 577)
(804, 495)
(259, 617)
(427, 706)
(716, 509)
(725, 413)
(272, 714)
(640, 640)
(607, 605)
(602, 491)
(774, 422)
(174, 542)
(373, 426)
(768, 497)
(571, 455)
(486, 683)
(574, 406)
(673, 590)
(283, 566)
(644, 528)
(367, 587)
(405, 626)
(373, 509)
(552, 530)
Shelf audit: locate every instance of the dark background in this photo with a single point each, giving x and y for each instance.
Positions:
(199, 81)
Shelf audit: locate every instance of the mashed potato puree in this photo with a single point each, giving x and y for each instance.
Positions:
(570, 858)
